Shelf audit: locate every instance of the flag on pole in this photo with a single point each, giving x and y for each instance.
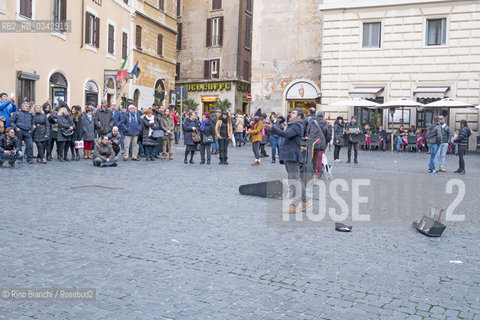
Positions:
(123, 73)
(135, 69)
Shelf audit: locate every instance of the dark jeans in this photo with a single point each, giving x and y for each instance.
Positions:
(24, 135)
(62, 149)
(208, 149)
(293, 171)
(461, 162)
(256, 150)
(223, 149)
(355, 151)
(150, 151)
(274, 144)
(116, 148)
(49, 146)
(97, 162)
(41, 149)
(336, 152)
(11, 158)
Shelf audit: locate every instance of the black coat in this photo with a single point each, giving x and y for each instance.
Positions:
(42, 129)
(147, 139)
(338, 135)
(318, 131)
(187, 127)
(104, 121)
(209, 130)
(462, 138)
(78, 132)
(64, 123)
(9, 144)
(292, 139)
(353, 137)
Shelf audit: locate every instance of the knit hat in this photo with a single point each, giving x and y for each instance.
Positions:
(259, 112)
(149, 111)
(340, 118)
(353, 117)
(225, 112)
(321, 114)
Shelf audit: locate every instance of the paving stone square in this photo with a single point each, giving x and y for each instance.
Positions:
(165, 240)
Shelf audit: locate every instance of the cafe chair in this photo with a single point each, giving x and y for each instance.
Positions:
(374, 141)
(363, 141)
(412, 143)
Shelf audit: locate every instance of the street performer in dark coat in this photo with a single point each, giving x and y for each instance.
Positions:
(291, 155)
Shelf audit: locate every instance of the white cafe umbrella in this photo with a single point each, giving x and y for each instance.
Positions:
(355, 102)
(448, 103)
(400, 103)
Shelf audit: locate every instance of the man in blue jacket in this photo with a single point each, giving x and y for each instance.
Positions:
(22, 122)
(132, 127)
(7, 107)
(291, 155)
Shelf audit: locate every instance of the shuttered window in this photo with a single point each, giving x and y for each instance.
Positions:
(160, 45)
(177, 71)
(214, 32)
(246, 70)
(111, 39)
(138, 37)
(179, 36)
(248, 32)
(211, 69)
(161, 5)
(92, 30)
(26, 8)
(249, 5)
(216, 4)
(124, 45)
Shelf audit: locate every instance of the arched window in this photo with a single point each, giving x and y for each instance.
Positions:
(58, 88)
(159, 94)
(136, 98)
(91, 93)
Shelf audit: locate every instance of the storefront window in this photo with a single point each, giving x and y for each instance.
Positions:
(58, 88)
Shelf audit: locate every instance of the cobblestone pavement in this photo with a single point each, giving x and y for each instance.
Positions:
(165, 240)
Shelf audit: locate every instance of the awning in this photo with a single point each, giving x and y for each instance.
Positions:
(28, 76)
(366, 92)
(430, 92)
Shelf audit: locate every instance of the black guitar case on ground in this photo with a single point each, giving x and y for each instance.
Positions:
(268, 189)
(275, 189)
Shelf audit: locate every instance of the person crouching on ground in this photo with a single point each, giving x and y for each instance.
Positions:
(103, 154)
(256, 136)
(9, 148)
(115, 138)
(291, 155)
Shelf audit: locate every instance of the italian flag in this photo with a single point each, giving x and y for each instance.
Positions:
(123, 73)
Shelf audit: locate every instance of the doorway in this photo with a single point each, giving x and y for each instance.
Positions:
(58, 89)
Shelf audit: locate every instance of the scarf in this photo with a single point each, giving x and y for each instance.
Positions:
(202, 126)
(292, 121)
(133, 117)
(151, 119)
(90, 117)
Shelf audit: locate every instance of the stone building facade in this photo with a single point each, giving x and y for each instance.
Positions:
(155, 32)
(214, 51)
(424, 50)
(77, 65)
(286, 54)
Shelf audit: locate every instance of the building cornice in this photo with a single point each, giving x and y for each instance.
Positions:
(385, 4)
(146, 17)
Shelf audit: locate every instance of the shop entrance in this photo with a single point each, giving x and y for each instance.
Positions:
(58, 89)
(209, 103)
(304, 105)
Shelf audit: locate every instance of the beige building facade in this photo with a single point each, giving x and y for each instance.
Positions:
(214, 51)
(423, 50)
(155, 34)
(286, 54)
(77, 65)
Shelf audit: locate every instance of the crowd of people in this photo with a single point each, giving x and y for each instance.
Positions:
(107, 133)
